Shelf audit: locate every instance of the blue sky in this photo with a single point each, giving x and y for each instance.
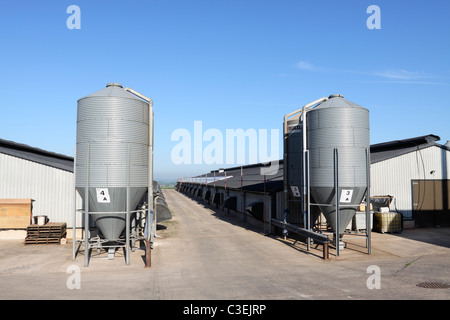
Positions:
(230, 64)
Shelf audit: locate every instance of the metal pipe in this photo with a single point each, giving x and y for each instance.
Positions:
(150, 200)
(308, 204)
(140, 95)
(298, 113)
(336, 190)
(127, 216)
(285, 166)
(74, 222)
(368, 222)
(314, 235)
(151, 170)
(86, 209)
(150, 151)
(305, 109)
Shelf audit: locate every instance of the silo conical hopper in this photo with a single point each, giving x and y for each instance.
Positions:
(112, 155)
(343, 125)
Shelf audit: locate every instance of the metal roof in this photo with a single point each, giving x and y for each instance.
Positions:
(252, 177)
(387, 150)
(37, 155)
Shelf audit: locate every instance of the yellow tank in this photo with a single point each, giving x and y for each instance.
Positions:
(387, 222)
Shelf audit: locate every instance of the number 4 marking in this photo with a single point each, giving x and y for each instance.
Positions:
(103, 195)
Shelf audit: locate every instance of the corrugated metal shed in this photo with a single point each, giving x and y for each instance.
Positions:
(45, 177)
(387, 150)
(395, 164)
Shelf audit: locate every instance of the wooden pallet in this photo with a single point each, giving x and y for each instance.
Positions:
(46, 234)
(43, 240)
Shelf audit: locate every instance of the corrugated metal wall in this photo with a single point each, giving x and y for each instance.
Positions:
(393, 176)
(51, 188)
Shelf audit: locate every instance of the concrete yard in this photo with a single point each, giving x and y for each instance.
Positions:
(204, 254)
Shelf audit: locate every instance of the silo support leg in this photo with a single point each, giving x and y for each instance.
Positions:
(148, 254)
(325, 251)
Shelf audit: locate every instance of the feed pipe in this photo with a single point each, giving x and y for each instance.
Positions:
(297, 113)
(150, 156)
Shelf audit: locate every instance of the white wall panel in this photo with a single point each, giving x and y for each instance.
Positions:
(393, 176)
(51, 189)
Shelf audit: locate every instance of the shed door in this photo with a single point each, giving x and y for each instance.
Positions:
(431, 205)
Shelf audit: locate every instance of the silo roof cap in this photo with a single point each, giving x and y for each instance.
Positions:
(113, 84)
(337, 101)
(113, 90)
(335, 96)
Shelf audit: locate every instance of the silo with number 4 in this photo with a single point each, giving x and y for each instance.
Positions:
(112, 156)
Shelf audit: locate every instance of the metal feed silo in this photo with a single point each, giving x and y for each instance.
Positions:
(113, 156)
(338, 141)
(326, 167)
